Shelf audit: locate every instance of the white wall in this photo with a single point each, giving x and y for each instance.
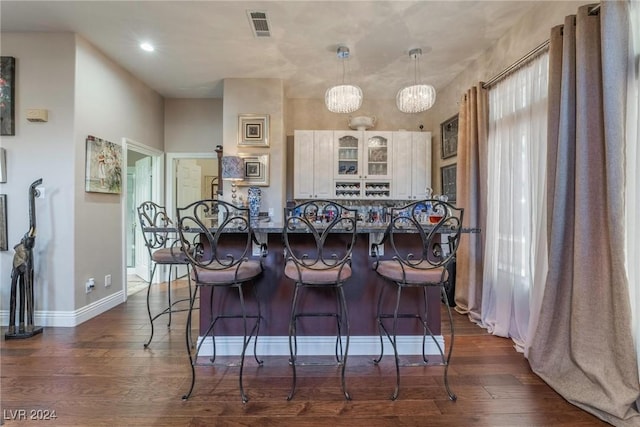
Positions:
(110, 104)
(192, 125)
(79, 234)
(45, 73)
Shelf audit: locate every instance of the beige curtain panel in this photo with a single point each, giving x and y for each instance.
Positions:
(583, 346)
(471, 177)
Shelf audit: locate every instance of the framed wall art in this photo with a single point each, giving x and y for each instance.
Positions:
(448, 176)
(256, 169)
(449, 136)
(253, 130)
(4, 244)
(103, 172)
(7, 95)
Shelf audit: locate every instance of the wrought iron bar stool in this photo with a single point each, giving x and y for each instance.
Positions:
(319, 237)
(434, 227)
(164, 249)
(219, 258)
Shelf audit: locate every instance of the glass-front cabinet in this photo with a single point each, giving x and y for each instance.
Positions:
(362, 164)
(348, 153)
(378, 150)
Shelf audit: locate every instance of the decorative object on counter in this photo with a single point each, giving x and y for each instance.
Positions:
(103, 171)
(7, 95)
(417, 97)
(253, 130)
(4, 240)
(343, 98)
(254, 197)
(22, 278)
(362, 122)
(428, 192)
(256, 170)
(449, 137)
(233, 170)
(448, 174)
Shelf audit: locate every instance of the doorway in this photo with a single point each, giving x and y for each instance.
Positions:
(192, 176)
(145, 167)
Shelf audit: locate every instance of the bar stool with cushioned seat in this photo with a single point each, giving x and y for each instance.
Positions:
(219, 259)
(319, 237)
(164, 249)
(433, 227)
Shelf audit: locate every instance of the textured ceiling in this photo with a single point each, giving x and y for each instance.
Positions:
(200, 43)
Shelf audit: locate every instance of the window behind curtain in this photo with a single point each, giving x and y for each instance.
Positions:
(516, 177)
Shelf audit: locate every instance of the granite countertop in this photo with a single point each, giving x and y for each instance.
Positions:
(276, 227)
(363, 227)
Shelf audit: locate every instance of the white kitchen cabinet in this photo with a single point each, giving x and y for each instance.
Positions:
(362, 164)
(313, 164)
(411, 162)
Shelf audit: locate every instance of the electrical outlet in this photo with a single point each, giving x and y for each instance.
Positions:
(107, 280)
(91, 283)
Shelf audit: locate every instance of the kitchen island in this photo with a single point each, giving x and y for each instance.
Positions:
(275, 291)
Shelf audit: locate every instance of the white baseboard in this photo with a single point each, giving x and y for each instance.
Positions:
(320, 346)
(71, 318)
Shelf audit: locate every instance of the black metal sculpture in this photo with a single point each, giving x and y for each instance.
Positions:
(22, 277)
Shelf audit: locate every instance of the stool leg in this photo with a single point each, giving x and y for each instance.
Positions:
(345, 313)
(245, 343)
(380, 326)
(153, 272)
(394, 344)
(192, 357)
(190, 297)
(452, 395)
(339, 318)
(293, 343)
(170, 308)
(425, 326)
(257, 327)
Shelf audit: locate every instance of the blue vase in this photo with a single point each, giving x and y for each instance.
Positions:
(253, 197)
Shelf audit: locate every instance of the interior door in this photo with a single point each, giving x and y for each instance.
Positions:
(188, 182)
(142, 193)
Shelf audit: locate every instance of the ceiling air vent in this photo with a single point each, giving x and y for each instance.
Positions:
(259, 23)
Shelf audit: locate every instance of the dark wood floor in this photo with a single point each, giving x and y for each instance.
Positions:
(98, 374)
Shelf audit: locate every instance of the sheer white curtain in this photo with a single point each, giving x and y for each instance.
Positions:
(632, 190)
(513, 263)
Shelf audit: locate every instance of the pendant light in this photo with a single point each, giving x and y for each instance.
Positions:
(417, 97)
(343, 98)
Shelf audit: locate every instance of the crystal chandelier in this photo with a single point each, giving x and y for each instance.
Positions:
(415, 98)
(344, 98)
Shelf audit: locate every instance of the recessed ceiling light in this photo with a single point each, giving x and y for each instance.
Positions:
(147, 47)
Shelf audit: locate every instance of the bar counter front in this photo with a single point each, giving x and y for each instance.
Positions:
(275, 292)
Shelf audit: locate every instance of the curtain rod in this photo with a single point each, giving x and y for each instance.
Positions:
(594, 10)
(519, 63)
